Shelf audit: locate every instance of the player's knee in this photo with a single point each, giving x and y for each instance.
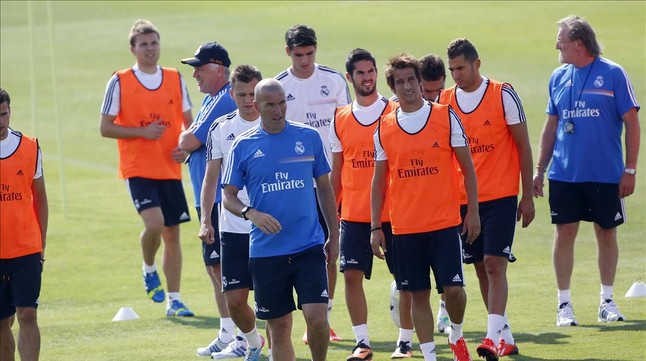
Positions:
(454, 292)
(153, 222)
(236, 300)
(26, 315)
(353, 278)
(496, 267)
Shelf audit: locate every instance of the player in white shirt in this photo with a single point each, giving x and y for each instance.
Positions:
(234, 231)
(313, 92)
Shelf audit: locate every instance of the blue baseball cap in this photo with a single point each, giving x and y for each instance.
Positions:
(209, 53)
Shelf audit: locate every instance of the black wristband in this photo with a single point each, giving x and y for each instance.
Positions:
(374, 229)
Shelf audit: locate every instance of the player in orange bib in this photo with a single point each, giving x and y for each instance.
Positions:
(145, 108)
(495, 123)
(23, 229)
(414, 150)
(352, 147)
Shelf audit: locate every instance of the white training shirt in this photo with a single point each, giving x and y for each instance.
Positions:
(9, 145)
(112, 99)
(222, 133)
(514, 113)
(314, 100)
(364, 115)
(415, 121)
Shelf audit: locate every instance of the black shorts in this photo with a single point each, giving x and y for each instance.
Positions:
(498, 222)
(419, 253)
(235, 261)
(592, 202)
(356, 251)
(276, 278)
(20, 284)
(168, 194)
(211, 252)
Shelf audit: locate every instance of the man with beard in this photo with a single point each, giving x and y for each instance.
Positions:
(350, 136)
(494, 120)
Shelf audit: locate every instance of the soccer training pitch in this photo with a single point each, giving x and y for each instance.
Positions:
(57, 56)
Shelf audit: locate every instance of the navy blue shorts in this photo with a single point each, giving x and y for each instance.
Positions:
(168, 194)
(276, 278)
(20, 284)
(235, 261)
(356, 251)
(498, 222)
(211, 252)
(591, 202)
(419, 253)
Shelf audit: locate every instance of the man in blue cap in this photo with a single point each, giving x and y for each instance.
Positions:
(211, 71)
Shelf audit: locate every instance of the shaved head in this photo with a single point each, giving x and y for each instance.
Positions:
(269, 85)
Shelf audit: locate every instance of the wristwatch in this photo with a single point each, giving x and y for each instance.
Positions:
(631, 171)
(244, 211)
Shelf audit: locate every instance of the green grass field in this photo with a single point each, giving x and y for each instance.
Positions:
(56, 58)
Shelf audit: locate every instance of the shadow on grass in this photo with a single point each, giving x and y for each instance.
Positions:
(638, 325)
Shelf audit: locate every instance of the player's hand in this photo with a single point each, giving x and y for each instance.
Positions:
(471, 226)
(538, 184)
(179, 155)
(206, 233)
(331, 249)
(265, 222)
(526, 211)
(154, 130)
(378, 243)
(627, 185)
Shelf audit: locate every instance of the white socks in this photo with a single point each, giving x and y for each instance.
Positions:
(428, 350)
(253, 338)
(495, 323)
(405, 335)
(173, 296)
(606, 292)
(149, 269)
(456, 333)
(564, 296)
(505, 334)
(227, 329)
(361, 334)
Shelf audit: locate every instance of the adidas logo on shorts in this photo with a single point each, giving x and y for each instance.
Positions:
(324, 293)
(507, 250)
(214, 254)
(183, 217)
(457, 278)
(618, 216)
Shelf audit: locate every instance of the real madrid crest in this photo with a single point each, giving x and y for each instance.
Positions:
(299, 148)
(598, 82)
(324, 90)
